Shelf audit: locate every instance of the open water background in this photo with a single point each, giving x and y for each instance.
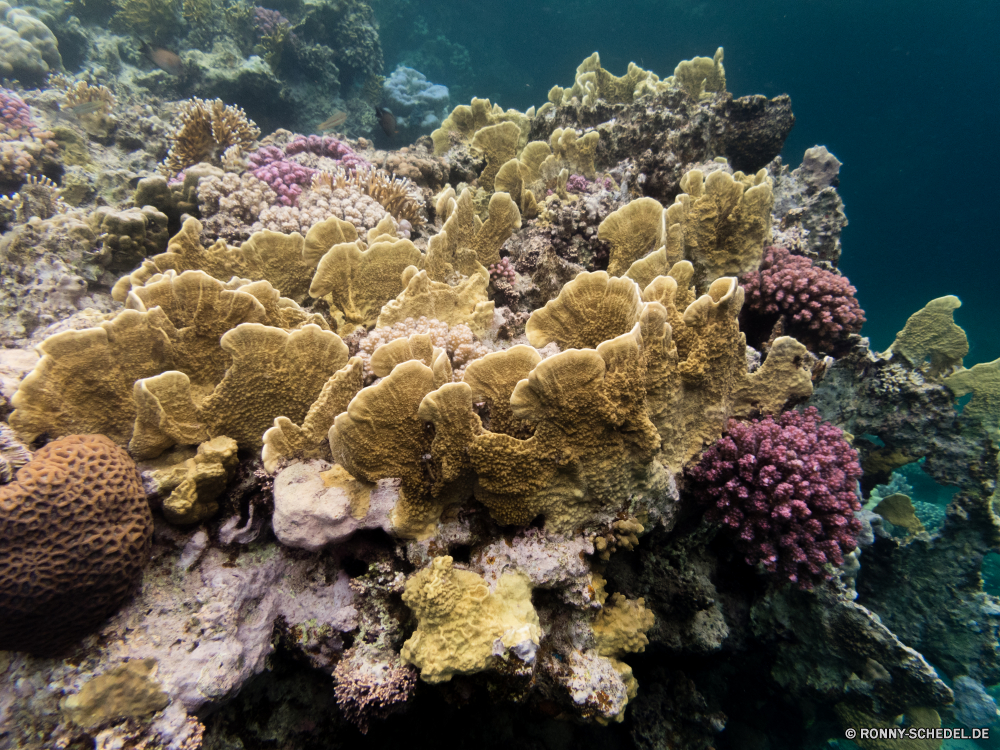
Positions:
(903, 92)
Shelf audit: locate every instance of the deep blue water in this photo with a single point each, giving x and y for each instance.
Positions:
(903, 92)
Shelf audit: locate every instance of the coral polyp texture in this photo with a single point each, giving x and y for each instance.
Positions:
(76, 533)
(785, 490)
(434, 424)
(816, 306)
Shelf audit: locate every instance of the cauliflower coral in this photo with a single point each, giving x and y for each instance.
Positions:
(785, 491)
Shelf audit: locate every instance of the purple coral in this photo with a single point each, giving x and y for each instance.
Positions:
(15, 117)
(22, 141)
(817, 306)
(577, 183)
(326, 146)
(267, 21)
(285, 178)
(785, 490)
(503, 270)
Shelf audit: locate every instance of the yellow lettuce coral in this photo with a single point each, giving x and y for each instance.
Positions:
(633, 231)
(466, 120)
(702, 76)
(983, 382)
(460, 620)
(931, 334)
(591, 308)
(195, 484)
(295, 366)
(359, 282)
(287, 440)
(593, 443)
(594, 84)
(720, 223)
(267, 256)
(382, 435)
(466, 302)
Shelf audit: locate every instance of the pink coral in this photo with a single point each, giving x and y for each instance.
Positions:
(577, 183)
(286, 178)
(816, 306)
(785, 490)
(22, 142)
(503, 270)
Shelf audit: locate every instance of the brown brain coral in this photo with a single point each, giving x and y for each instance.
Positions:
(76, 532)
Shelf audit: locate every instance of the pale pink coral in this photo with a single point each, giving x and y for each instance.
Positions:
(458, 341)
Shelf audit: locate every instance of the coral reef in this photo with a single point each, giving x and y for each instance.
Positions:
(25, 148)
(206, 130)
(435, 426)
(30, 50)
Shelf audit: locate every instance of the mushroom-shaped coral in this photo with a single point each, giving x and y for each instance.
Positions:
(591, 308)
(76, 533)
(785, 490)
(382, 435)
(593, 443)
(462, 624)
(931, 334)
(633, 231)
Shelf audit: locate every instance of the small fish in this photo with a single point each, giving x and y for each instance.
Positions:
(333, 121)
(163, 58)
(387, 120)
(86, 108)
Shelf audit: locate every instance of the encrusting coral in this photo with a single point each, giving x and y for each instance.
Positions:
(461, 622)
(76, 531)
(195, 484)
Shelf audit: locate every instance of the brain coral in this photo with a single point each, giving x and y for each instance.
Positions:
(76, 532)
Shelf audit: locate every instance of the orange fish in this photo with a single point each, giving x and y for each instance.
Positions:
(163, 58)
(387, 120)
(333, 121)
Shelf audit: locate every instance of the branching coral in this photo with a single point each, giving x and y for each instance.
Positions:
(371, 684)
(206, 130)
(816, 306)
(24, 146)
(786, 492)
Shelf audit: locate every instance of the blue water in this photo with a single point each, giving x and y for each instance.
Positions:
(903, 93)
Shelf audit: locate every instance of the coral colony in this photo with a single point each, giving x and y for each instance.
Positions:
(511, 411)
